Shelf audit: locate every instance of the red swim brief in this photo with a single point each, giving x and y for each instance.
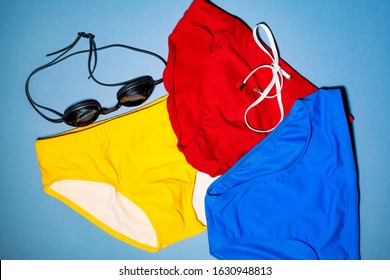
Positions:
(211, 52)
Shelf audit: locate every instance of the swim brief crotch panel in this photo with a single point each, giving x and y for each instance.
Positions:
(125, 175)
(210, 54)
(294, 195)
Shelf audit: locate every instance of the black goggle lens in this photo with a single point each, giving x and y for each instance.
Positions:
(83, 113)
(136, 92)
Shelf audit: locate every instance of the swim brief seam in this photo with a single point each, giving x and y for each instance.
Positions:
(255, 240)
(266, 141)
(98, 123)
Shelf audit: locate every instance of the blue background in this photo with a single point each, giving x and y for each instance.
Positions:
(331, 42)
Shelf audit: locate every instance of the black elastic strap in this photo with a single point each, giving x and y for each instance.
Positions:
(51, 63)
(92, 51)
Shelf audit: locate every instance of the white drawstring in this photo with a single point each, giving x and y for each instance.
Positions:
(277, 77)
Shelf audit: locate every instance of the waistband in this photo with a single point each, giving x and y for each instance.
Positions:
(279, 151)
(205, 14)
(145, 114)
(287, 144)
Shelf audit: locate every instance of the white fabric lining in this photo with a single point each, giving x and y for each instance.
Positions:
(110, 207)
(202, 182)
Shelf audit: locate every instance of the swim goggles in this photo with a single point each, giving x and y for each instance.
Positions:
(132, 93)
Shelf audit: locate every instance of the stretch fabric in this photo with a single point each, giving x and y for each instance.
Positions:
(126, 175)
(227, 89)
(294, 195)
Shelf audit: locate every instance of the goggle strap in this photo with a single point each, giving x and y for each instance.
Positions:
(92, 51)
(66, 49)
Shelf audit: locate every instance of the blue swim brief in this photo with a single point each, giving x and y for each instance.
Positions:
(295, 194)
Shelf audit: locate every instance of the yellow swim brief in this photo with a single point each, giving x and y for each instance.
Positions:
(126, 175)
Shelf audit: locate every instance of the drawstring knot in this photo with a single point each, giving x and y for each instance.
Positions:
(277, 77)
